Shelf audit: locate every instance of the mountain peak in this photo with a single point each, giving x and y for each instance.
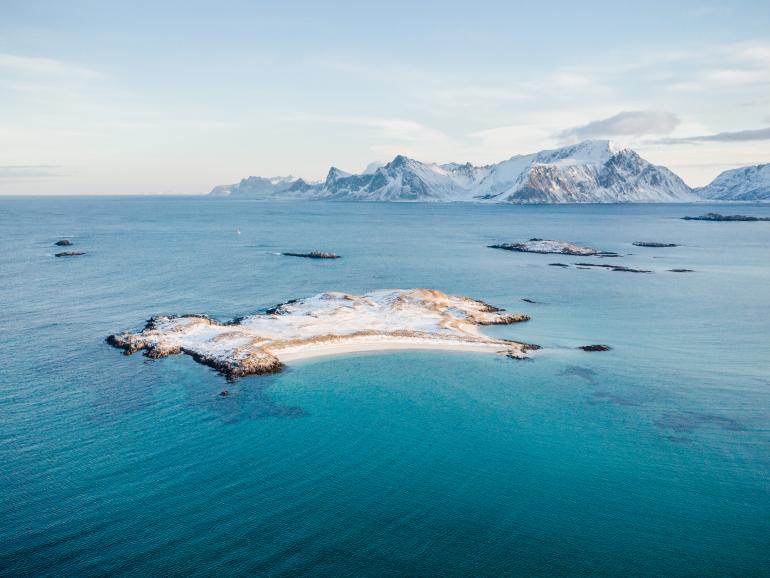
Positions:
(399, 161)
(335, 173)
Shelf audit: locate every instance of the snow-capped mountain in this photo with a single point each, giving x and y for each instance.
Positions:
(743, 184)
(402, 179)
(261, 187)
(588, 172)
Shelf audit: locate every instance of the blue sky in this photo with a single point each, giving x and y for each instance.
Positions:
(119, 97)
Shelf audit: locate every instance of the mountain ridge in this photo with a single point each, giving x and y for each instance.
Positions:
(594, 171)
(751, 183)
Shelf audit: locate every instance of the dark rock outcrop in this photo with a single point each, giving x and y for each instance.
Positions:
(63, 243)
(719, 217)
(314, 255)
(69, 254)
(597, 347)
(653, 244)
(612, 267)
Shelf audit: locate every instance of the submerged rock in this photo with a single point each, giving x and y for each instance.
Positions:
(552, 247)
(558, 265)
(653, 244)
(63, 243)
(597, 347)
(612, 267)
(314, 255)
(719, 217)
(682, 270)
(69, 254)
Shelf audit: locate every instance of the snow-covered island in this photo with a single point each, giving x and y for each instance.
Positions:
(551, 246)
(327, 324)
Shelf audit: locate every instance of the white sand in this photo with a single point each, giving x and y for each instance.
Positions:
(383, 344)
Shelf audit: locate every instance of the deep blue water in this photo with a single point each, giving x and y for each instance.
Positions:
(650, 459)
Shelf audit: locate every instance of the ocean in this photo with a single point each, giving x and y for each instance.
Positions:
(649, 459)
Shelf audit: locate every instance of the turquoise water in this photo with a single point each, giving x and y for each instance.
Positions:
(650, 459)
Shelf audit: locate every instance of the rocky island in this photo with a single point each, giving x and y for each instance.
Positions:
(596, 347)
(719, 217)
(552, 247)
(314, 255)
(653, 244)
(326, 324)
(63, 243)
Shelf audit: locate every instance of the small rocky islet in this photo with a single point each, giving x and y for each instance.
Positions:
(725, 218)
(313, 255)
(602, 266)
(653, 244)
(595, 347)
(612, 267)
(66, 243)
(550, 246)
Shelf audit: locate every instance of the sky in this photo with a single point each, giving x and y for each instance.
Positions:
(107, 97)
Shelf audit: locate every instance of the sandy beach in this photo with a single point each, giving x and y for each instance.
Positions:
(362, 345)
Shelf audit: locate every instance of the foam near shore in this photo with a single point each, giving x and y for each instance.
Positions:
(327, 324)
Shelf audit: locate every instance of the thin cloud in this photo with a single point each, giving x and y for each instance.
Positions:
(33, 65)
(390, 128)
(737, 136)
(16, 173)
(470, 96)
(627, 123)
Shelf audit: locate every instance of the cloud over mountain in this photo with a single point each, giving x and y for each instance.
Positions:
(736, 136)
(626, 123)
